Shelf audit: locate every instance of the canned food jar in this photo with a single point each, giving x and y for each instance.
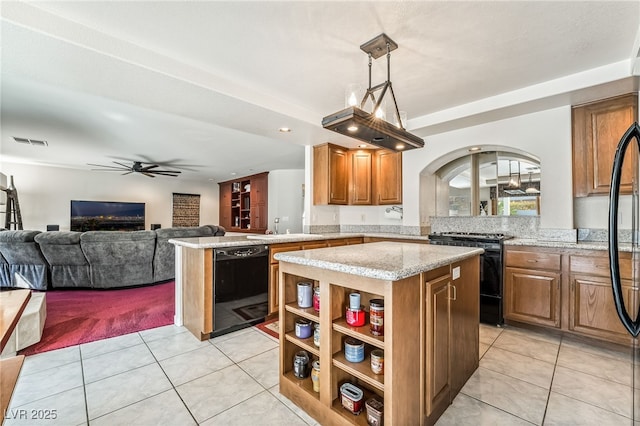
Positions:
(316, 299)
(303, 328)
(355, 317)
(301, 365)
(353, 350)
(377, 361)
(315, 376)
(375, 411)
(376, 316)
(351, 397)
(305, 295)
(316, 335)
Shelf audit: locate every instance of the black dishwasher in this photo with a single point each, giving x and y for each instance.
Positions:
(240, 287)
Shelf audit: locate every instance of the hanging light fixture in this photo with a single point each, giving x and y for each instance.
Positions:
(369, 127)
(531, 189)
(514, 176)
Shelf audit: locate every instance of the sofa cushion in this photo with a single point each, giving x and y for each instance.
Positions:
(19, 249)
(164, 258)
(119, 259)
(69, 267)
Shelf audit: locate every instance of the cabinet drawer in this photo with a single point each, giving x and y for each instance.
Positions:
(599, 265)
(535, 260)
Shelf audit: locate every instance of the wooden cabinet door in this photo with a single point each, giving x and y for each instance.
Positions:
(338, 176)
(597, 129)
(388, 177)
(592, 310)
(259, 187)
(360, 178)
(274, 288)
(259, 218)
(330, 175)
(225, 205)
(437, 344)
(532, 296)
(465, 311)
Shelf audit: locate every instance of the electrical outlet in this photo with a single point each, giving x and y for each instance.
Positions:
(285, 218)
(335, 217)
(363, 217)
(455, 273)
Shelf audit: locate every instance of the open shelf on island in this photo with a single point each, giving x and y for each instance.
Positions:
(361, 333)
(305, 385)
(360, 370)
(306, 344)
(308, 313)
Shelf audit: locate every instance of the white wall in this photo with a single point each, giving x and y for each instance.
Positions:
(45, 193)
(545, 135)
(285, 200)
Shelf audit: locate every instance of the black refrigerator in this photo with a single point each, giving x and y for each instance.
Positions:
(627, 305)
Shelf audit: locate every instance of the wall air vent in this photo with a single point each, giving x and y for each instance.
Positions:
(33, 142)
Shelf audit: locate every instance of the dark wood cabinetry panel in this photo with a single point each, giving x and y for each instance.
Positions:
(243, 204)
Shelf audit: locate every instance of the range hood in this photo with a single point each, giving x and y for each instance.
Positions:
(359, 124)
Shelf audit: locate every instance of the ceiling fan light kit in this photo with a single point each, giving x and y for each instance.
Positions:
(137, 167)
(355, 122)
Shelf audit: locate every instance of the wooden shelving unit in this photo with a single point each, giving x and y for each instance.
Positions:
(243, 204)
(399, 386)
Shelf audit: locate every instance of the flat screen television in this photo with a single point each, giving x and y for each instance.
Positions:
(106, 216)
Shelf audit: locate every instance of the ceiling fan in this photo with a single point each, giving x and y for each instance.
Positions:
(137, 167)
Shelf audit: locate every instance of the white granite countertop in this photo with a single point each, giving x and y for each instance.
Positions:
(258, 239)
(384, 260)
(582, 245)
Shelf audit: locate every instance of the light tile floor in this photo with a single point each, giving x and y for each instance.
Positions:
(166, 376)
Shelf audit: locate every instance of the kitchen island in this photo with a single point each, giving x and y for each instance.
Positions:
(430, 339)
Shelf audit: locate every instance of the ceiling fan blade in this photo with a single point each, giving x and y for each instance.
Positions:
(124, 165)
(128, 173)
(148, 174)
(147, 168)
(166, 173)
(108, 167)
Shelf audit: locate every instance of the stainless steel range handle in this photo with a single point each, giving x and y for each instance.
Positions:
(632, 325)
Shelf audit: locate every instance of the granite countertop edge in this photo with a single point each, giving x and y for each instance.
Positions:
(371, 272)
(582, 245)
(234, 241)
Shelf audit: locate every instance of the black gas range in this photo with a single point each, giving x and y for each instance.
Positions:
(491, 285)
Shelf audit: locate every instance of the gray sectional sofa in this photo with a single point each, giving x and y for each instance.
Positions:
(92, 259)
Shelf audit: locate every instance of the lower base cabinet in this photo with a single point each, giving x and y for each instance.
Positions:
(569, 290)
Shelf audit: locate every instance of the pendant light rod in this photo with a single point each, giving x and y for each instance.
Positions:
(370, 93)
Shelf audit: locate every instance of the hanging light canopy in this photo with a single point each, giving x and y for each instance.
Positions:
(369, 127)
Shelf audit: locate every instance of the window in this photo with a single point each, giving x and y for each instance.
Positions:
(491, 183)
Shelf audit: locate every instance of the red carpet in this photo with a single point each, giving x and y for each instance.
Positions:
(270, 327)
(81, 316)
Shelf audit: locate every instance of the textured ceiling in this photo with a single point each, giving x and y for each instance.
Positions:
(204, 86)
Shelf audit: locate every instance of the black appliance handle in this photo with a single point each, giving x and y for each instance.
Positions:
(632, 325)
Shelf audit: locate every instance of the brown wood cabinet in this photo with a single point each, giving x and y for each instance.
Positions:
(591, 307)
(452, 337)
(597, 129)
(532, 287)
(388, 177)
(243, 204)
(356, 177)
(567, 289)
(360, 177)
(330, 174)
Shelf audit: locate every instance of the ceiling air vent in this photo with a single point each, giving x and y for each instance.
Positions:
(33, 142)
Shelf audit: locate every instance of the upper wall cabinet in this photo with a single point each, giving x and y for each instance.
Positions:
(597, 129)
(357, 176)
(330, 174)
